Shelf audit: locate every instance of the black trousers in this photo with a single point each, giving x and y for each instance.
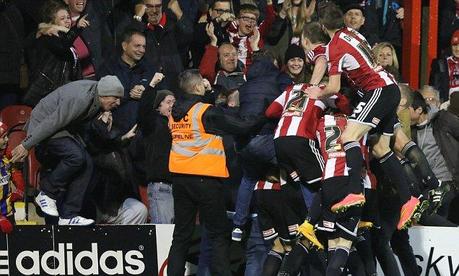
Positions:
(398, 239)
(67, 175)
(203, 194)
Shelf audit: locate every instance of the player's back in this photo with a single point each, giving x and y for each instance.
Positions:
(348, 52)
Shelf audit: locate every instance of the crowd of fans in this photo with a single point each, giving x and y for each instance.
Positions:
(238, 113)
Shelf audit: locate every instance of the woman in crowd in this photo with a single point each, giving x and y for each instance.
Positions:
(295, 66)
(55, 61)
(387, 57)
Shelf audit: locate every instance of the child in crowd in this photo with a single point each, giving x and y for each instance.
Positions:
(9, 175)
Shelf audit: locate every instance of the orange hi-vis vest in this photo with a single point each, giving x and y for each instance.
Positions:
(193, 150)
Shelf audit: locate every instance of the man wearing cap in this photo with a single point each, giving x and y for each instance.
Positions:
(354, 18)
(54, 128)
(155, 110)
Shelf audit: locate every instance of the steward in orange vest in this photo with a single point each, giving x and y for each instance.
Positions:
(193, 150)
(197, 163)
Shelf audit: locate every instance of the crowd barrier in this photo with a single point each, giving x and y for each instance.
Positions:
(143, 249)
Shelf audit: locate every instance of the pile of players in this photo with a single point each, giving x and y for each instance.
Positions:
(326, 154)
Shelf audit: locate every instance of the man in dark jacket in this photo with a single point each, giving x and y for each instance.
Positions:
(155, 110)
(134, 72)
(220, 65)
(197, 128)
(438, 138)
(257, 151)
(219, 14)
(168, 32)
(116, 193)
(54, 128)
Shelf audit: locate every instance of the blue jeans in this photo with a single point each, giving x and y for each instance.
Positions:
(257, 250)
(67, 172)
(161, 202)
(308, 196)
(257, 157)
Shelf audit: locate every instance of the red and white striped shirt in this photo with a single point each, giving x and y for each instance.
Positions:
(453, 73)
(299, 114)
(329, 130)
(266, 185)
(313, 55)
(348, 52)
(244, 50)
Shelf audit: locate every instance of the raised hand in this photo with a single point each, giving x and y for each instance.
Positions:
(137, 91)
(285, 7)
(310, 10)
(130, 134)
(174, 6)
(83, 22)
(226, 17)
(254, 39)
(210, 32)
(157, 78)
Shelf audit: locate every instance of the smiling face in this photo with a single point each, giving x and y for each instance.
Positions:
(227, 56)
(134, 49)
(76, 6)
(295, 65)
(62, 18)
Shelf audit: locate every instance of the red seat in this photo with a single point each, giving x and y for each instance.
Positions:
(15, 116)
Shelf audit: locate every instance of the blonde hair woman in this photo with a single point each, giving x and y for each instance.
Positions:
(387, 57)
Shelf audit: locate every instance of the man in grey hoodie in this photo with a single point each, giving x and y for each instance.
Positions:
(54, 128)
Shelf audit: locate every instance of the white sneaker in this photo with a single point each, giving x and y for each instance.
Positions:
(76, 221)
(47, 204)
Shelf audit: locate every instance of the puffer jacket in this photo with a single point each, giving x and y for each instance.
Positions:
(261, 88)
